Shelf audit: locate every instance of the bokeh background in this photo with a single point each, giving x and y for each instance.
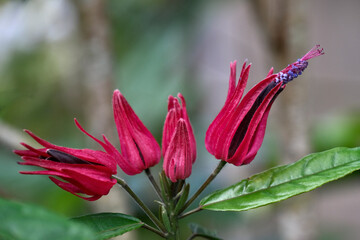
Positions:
(61, 59)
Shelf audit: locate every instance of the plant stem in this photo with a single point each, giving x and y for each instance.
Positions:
(205, 184)
(161, 234)
(194, 235)
(190, 212)
(148, 212)
(154, 184)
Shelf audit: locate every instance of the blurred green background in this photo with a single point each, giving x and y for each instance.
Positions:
(61, 59)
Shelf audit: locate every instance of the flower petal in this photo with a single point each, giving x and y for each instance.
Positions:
(237, 116)
(123, 164)
(243, 148)
(185, 116)
(177, 160)
(138, 146)
(73, 189)
(220, 122)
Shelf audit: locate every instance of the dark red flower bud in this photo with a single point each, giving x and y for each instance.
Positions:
(139, 149)
(178, 143)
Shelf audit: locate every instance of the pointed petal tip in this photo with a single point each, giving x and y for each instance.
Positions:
(117, 99)
(247, 62)
(30, 133)
(17, 152)
(117, 94)
(181, 121)
(182, 99)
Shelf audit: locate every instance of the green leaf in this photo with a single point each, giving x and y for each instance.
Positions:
(21, 221)
(183, 198)
(165, 185)
(165, 218)
(283, 182)
(203, 232)
(108, 225)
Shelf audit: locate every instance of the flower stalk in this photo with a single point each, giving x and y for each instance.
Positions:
(154, 230)
(141, 204)
(170, 204)
(204, 185)
(154, 184)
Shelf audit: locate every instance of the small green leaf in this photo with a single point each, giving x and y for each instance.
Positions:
(182, 199)
(165, 218)
(282, 182)
(21, 221)
(203, 232)
(108, 225)
(164, 185)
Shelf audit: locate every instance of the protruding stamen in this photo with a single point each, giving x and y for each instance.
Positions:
(314, 52)
(295, 69)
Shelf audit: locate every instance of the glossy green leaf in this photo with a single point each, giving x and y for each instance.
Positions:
(21, 221)
(108, 225)
(199, 231)
(282, 182)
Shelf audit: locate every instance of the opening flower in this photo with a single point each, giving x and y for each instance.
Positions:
(237, 132)
(178, 142)
(86, 173)
(139, 149)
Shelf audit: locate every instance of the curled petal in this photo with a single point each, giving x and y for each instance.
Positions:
(73, 189)
(212, 141)
(85, 171)
(260, 115)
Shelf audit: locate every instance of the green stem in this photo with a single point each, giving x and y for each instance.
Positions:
(154, 184)
(161, 234)
(205, 184)
(148, 212)
(193, 236)
(190, 212)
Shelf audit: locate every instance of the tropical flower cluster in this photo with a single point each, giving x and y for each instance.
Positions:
(234, 136)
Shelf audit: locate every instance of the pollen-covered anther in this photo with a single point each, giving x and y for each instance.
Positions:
(292, 71)
(295, 69)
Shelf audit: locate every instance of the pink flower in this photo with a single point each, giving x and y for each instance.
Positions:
(85, 171)
(139, 149)
(237, 132)
(178, 142)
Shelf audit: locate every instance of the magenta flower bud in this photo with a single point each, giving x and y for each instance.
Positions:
(139, 149)
(84, 171)
(178, 143)
(237, 132)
